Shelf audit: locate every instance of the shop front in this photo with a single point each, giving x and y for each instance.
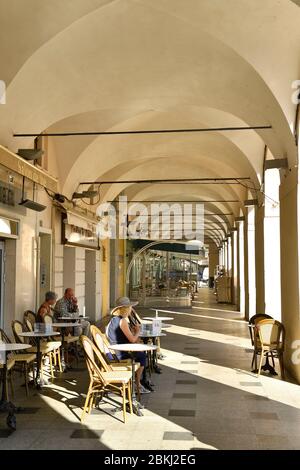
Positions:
(162, 277)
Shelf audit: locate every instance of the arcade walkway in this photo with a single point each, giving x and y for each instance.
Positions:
(206, 398)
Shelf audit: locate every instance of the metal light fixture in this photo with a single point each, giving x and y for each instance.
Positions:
(30, 204)
(30, 154)
(85, 194)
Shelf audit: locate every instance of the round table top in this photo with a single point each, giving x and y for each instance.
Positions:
(151, 335)
(65, 324)
(38, 334)
(78, 317)
(158, 318)
(13, 346)
(132, 347)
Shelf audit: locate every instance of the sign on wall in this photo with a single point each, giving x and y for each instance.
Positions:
(74, 235)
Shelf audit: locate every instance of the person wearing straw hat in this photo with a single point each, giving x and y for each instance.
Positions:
(119, 331)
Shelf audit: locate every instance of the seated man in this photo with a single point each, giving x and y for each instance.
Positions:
(45, 308)
(67, 307)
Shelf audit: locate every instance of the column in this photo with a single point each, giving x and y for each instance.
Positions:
(259, 259)
(243, 266)
(234, 257)
(114, 270)
(251, 260)
(213, 261)
(272, 280)
(74, 272)
(289, 241)
(105, 276)
(92, 285)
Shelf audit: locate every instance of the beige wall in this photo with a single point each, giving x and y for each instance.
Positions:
(20, 267)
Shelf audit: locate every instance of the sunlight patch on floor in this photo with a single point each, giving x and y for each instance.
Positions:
(276, 389)
(210, 336)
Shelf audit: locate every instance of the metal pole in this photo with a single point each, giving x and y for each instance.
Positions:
(170, 180)
(154, 131)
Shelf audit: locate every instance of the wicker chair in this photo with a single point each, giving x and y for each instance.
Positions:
(103, 379)
(271, 339)
(24, 360)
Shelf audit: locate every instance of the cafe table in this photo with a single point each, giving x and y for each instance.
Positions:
(132, 348)
(161, 356)
(5, 405)
(38, 336)
(63, 326)
(158, 318)
(73, 318)
(155, 339)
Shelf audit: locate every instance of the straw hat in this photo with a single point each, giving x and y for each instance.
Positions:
(123, 302)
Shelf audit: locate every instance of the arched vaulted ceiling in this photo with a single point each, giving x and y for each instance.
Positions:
(151, 64)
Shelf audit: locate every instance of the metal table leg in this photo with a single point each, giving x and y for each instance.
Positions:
(63, 363)
(39, 382)
(135, 404)
(156, 367)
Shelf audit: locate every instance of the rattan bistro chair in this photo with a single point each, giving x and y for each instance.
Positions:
(29, 315)
(24, 360)
(55, 344)
(46, 348)
(10, 365)
(68, 340)
(254, 341)
(53, 347)
(101, 343)
(103, 379)
(271, 337)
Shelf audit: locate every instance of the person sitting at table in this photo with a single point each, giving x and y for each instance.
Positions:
(67, 307)
(119, 332)
(46, 307)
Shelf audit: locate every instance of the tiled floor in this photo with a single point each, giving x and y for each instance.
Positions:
(206, 397)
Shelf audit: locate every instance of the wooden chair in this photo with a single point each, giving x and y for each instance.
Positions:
(68, 340)
(55, 344)
(25, 360)
(29, 315)
(103, 379)
(271, 336)
(46, 349)
(101, 343)
(251, 325)
(52, 345)
(10, 365)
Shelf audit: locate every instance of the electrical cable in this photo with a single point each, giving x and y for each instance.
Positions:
(258, 190)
